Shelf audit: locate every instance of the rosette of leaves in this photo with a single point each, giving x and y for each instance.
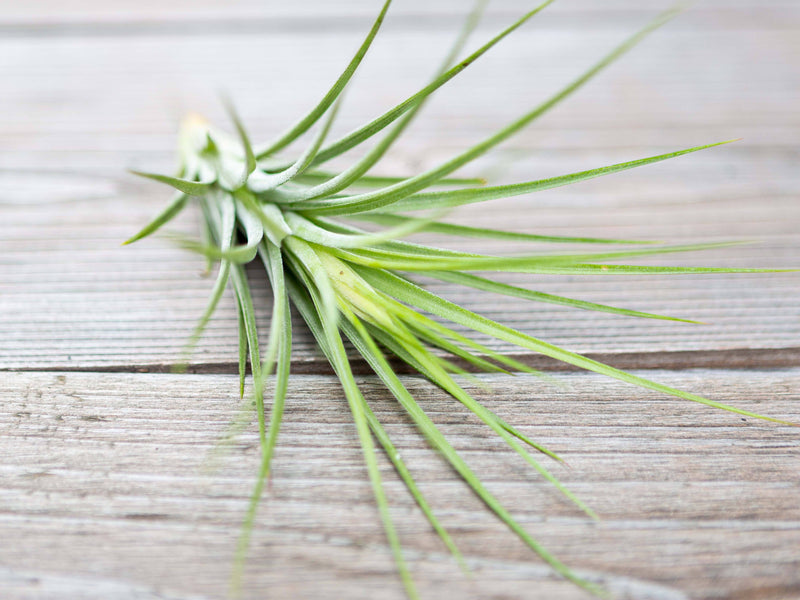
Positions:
(301, 222)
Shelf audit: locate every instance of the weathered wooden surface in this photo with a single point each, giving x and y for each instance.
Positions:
(107, 487)
(103, 492)
(68, 203)
(78, 300)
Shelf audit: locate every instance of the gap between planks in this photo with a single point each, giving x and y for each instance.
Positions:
(679, 360)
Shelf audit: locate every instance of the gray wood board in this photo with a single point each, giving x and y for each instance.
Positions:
(105, 486)
(106, 489)
(73, 298)
(129, 17)
(80, 110)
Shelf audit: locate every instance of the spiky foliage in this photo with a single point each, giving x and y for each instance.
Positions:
(347, 282)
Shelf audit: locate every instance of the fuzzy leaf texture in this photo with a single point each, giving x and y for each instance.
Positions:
(349, 283)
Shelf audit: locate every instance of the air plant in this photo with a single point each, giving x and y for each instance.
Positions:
(301, 223)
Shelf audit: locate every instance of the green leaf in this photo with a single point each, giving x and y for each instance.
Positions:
(411, 485)
(238, 254)
(481, 232)
(333, 93)
(280, 345)
(260, 181)
(400, 351)
(353, 173)
(437, 440)
(396, 337)
(363, 133)
(249, 157)
(453, 198)
(341, 365)
(281, 325)
(242, 349)
(394, 245)
(439, 341)
(387, 196)
(412, 294)
(207, 239)
(306, 261)
(253, 229)
(317, 176)
(166, 215)
(421, 323)
(312, 232)
(540, 263)
(241, 289)
(584, 269)
(193, 188)
(221, 220)
(274, 225)
(443, 379)
(303, 303)
(488, 285)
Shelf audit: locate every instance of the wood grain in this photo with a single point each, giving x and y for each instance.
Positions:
(106, 489)
(106, 485)
(72, 298)
(351, 14)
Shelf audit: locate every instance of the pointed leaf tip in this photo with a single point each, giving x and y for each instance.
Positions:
(249, 156)
(193, 188)
(176, 206)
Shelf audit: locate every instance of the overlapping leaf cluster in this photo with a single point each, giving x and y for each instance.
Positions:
(347, 282)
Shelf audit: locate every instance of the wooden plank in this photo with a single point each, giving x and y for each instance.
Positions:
(71, 298)
(82, 17)
(107, 492)
(673, 83)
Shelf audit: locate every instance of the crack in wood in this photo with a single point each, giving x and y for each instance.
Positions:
(678, 360)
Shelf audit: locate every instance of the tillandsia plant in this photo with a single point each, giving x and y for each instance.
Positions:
(351, 283)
